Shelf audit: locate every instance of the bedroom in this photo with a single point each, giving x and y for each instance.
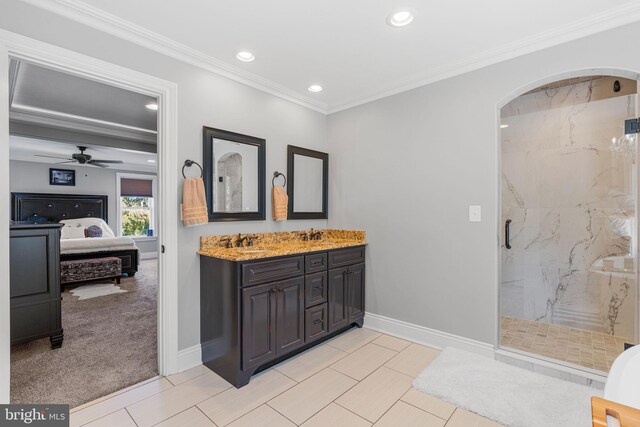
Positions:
(92, 168)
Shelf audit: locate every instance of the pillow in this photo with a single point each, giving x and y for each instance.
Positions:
(72, 231)
(88, 222)
(93, 231)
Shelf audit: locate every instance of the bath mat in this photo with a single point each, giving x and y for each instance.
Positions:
(504, 393)
(97, 290)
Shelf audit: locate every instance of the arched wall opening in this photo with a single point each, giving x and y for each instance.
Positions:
(568, 282)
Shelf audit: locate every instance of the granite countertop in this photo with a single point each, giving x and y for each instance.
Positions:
(267, 245)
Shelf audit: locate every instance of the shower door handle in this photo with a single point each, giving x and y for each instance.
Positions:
(507, 228)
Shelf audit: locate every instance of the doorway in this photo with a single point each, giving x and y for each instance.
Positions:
(568, 251)
(42, 54)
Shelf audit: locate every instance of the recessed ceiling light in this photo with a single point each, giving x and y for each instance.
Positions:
(400, 18)
(315, 88)
(152, 106)
(245, 56)
(151, 161)
(504, 126)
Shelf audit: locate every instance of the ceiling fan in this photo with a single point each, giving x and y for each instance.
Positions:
(83, 159)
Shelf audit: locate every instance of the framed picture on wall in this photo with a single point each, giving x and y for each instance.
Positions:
(62, 177)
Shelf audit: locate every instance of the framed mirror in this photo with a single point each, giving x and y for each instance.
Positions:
(234, 175)
(308, 184)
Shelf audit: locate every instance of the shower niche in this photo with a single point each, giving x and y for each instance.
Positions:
(569, 194)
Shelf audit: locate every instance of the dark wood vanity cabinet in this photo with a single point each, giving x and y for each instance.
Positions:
(346, 291)
(255, 314)
(34, 253)
(272, 320)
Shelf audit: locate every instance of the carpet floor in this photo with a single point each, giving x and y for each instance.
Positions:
(109, 343)
(509, 395)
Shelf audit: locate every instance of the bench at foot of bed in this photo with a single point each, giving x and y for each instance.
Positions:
(129, 258)
(82, 270)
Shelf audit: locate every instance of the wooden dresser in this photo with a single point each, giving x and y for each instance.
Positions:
(35, 283)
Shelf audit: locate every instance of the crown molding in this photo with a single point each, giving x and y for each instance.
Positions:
(103, 21)
(608, 20)
(100, 20)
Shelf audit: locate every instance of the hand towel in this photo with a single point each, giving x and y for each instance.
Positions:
(194, 202)
(279, 203)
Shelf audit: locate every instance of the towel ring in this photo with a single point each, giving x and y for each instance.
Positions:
(187, 164)
(277, 174)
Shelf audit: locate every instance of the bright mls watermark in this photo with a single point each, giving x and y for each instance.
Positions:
(34, 415)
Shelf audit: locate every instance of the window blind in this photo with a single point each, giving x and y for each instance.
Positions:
(130, 187)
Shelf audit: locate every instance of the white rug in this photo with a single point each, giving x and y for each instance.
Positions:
(504, 393)
(97, 290)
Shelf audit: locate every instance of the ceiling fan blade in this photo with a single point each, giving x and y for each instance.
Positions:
(52, 157)
(106, 161)
(70, 161)
(96, 164)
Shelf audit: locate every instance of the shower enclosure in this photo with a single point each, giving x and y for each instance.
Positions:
(569, 184)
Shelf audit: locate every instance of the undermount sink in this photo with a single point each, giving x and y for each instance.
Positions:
(252, 251)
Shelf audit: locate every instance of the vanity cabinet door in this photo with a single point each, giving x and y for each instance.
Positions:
(338, 295)
(258, 325)
(290, 314)
(355, 287)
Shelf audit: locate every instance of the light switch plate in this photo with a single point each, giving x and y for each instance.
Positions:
(475, 213)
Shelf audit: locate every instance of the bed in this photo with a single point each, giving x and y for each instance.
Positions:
(77, 212)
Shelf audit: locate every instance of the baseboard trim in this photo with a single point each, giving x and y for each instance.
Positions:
(426, 336)
(189, 357)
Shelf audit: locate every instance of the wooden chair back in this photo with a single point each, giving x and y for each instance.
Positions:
(626, 415)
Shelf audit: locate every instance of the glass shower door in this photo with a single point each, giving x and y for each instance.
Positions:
(568, 285)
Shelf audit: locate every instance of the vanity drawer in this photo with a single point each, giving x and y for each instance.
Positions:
(315, 289)
(315, 323)
(316, 262)
(269, 271)
(346, 257)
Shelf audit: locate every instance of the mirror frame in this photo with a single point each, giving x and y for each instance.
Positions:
(208, 134)
(291, 152)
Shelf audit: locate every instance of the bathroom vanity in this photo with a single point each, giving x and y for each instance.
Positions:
(263, 303)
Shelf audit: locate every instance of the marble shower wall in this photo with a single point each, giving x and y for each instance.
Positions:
(572, 199)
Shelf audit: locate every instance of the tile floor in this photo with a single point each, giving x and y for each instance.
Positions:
(358, 379)
(593, 350)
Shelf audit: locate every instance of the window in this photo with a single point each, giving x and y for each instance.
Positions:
(137, 216)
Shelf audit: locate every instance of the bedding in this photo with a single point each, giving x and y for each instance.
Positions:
(96, 244)
(74, 228)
